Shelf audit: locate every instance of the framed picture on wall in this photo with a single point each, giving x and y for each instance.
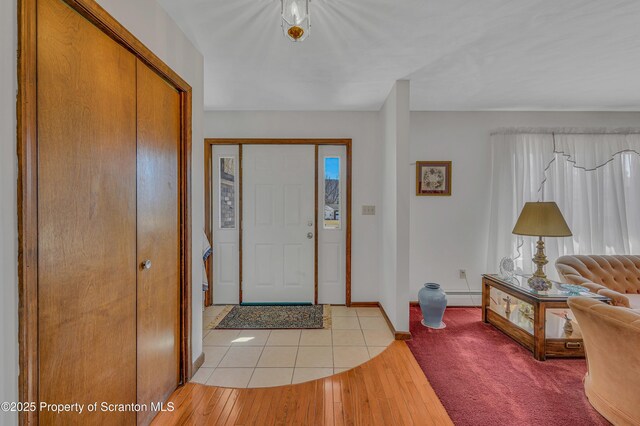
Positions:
(433, 177)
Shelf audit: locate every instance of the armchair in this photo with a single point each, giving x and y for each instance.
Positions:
(611, 337)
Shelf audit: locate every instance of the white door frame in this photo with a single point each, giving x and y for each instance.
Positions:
(226, 245)
(210, 181)
(331, 232)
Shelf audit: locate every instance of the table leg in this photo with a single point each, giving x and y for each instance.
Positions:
(539, 334)
(485, 299)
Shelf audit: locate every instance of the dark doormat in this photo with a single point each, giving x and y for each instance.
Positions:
(283, 317)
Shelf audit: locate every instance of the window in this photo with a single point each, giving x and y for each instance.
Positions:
(227, 193)
(594, 179)
(332, 217)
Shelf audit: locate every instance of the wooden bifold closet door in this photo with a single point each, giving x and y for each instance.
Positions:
(158, 239)
(86, 217)
(108, 200)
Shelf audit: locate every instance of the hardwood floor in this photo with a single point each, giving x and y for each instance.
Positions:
(390, 389)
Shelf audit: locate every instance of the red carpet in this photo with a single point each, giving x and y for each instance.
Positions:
(484, 378)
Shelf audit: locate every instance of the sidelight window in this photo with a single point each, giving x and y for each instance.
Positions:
(227, 191)
(332, 206)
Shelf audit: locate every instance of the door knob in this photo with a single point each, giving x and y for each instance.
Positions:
(310, 235)
(146, 264)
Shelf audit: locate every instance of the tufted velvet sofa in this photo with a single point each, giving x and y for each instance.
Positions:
(611, 337)
(617, 277)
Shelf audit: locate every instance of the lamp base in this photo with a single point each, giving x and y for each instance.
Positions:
(539, 283)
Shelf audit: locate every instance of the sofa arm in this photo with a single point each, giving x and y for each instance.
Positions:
(593, 287)
(617, 299)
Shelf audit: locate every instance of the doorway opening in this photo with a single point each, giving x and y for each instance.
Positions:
(278, 216)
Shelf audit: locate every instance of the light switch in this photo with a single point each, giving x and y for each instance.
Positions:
(368, 210)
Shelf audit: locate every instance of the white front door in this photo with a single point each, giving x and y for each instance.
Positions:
(278, 223)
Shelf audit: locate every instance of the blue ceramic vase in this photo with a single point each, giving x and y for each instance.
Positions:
(433, 302)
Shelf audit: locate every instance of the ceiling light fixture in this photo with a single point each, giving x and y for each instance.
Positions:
(296, 21)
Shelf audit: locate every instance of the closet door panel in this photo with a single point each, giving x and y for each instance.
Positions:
(86, 217)
(158, 239)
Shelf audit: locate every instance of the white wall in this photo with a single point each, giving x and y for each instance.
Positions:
(394, 212)
(403, 207)
(8, 210)
(362, 128)
(388, 200)
(451, 233)
(146, 20)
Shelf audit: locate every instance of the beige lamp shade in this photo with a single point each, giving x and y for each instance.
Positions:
(541, 219)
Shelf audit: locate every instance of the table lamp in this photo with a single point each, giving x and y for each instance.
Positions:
(541, 219)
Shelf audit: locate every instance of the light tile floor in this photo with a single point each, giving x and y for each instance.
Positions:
(263, 358)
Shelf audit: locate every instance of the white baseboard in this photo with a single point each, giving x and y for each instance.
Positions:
(464, 299)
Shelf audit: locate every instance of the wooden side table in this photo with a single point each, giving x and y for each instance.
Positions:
(536, 320)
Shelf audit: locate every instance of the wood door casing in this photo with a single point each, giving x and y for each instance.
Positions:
(158, 239)
(86, 109)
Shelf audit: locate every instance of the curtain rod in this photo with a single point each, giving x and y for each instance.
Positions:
(564, 131)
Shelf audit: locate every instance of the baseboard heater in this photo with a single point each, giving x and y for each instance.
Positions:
(276, 304)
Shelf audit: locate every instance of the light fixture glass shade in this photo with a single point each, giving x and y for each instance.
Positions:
(541, 219)
(296, 22)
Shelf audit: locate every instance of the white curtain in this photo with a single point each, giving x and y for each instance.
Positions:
(593, 177)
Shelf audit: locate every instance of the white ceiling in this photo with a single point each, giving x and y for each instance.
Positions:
(458, 54)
